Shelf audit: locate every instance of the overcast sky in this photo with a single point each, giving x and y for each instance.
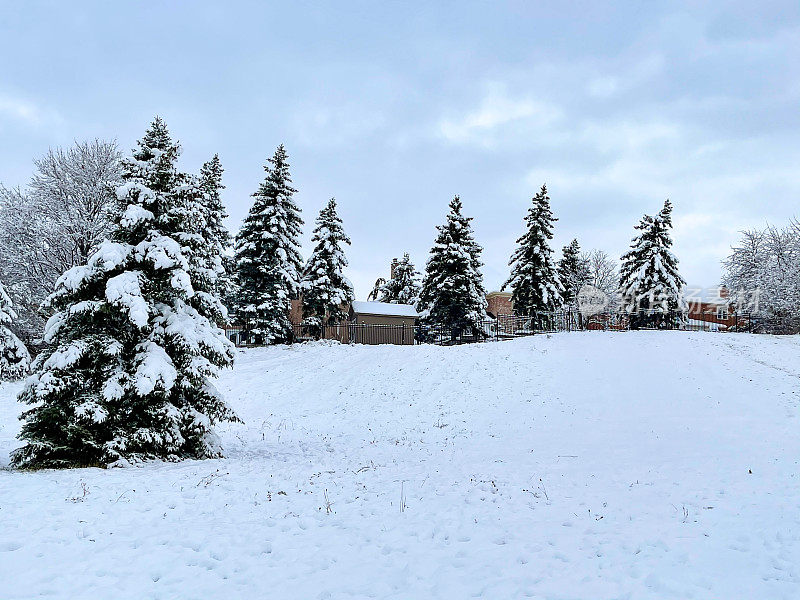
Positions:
(395, 107)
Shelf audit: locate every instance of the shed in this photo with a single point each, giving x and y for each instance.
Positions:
(382, 323)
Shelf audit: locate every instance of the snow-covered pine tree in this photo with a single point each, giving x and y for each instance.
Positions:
(452, 294)
(214, 210)
(403, 287)
(215, 233)
(649, 279)
(573, 272)
(268, 262)
(14, 357)
(229, 288)
(534, 281)
(376, 289)
(203, 259)
(326, 291)
(132, 345)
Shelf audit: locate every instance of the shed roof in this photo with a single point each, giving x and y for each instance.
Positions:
(384, 308)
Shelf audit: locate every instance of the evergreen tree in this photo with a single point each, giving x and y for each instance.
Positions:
(268, 261)
(216, 235)
(203, 258)
(326, 290)
(132, 344)
(649, 279)
(534, 282)
(229, 288)
(573, 272)
(214, 210)
(403, 287)
(376, 289)
(14, 357)
(452, 294)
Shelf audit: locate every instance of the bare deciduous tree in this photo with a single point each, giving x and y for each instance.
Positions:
(55, 223)
(763, 272)
(603, 275)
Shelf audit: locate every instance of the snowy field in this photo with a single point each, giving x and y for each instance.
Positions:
(585, 465)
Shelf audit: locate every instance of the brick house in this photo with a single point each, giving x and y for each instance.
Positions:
(714, 314)
(499, 303)
(367, 323)
(235, 331)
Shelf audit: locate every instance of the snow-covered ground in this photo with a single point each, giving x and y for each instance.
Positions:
(595, 465)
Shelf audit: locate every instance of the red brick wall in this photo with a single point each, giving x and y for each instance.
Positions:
(296, 312)
(705, 311)
(499, 303)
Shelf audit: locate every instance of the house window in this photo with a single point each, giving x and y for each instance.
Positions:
(722, 313)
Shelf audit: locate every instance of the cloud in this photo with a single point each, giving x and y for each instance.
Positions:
(628, 156)
(334, 126)
(497, 110)
(603, 87)
(24, 111)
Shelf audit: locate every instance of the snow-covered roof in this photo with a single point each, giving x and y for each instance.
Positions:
(384, 308)
(717, 301)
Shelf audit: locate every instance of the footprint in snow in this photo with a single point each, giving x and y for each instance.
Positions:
(10, 546)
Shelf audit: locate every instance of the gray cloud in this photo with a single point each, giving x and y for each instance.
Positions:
(395, 108)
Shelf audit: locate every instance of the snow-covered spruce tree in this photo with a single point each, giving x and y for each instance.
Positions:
(132, 344)
(203, 261)
(326, 291)
(452, 294)
(268, 261)
(403, 287)
(377, 288)
(14, 357)
(229, 288)
(650, 285)
(216, 235)
(204, 238)
(573, 272)
(534, 281)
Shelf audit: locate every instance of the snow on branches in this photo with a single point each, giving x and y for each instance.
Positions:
(649, 279)
(403, 286)
(452, 292)
(534, 282)
(14, 357)
(268, 261)
(133, 339)
(326, 291)
(55, 223)
(763, 272)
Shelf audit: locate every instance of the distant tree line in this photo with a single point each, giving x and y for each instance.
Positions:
(71, 206)
(121, 272)
(648, 285)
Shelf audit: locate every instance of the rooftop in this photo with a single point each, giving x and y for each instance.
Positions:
(384, 308)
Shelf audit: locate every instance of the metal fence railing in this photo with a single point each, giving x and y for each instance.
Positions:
(775, 324)
(505, 327)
